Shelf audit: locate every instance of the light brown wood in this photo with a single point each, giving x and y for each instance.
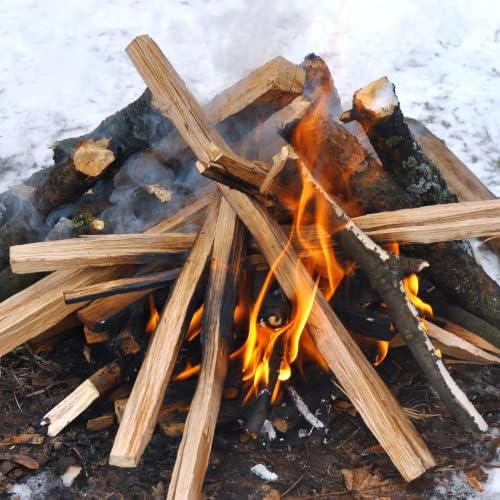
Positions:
(92, 337)
(39, 307)
(470, 337)
(457, 347)
(434, 223)
(92, 157)
(121, 286)
(451, 344)
(194, 451)
(176, 102)
(100, 423)
(81, 398)
(142, 409)
(378, 407)
(96, 251)
(277, 81)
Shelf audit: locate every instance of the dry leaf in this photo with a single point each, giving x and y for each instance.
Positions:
(368, 484)
(473, 481)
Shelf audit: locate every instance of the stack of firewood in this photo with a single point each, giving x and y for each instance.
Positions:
(401, 196)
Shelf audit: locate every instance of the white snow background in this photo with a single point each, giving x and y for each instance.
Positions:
(63, 67)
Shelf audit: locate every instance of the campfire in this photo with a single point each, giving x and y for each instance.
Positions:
(314, 237)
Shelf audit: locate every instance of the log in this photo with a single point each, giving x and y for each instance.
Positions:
(12, 283)
(461, 180)
(81, 398)
(150, 281)
(383, 269)
(41, 306)
(377, 406)
(141, 412)
(194, 451)
(97, 251)
(137, 127)
(80, 161)
(452, 267)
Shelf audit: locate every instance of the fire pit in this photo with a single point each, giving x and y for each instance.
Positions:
(323, 241)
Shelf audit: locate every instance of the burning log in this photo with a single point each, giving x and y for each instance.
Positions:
(193, 453)
(380, 411)
(452, 266)
(81, 398)
(148, 282)
(41, 306)
(97, 251)
(342, 354)
(141, 412)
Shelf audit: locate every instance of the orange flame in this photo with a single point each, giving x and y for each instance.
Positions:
(154, 317)
(194, 328)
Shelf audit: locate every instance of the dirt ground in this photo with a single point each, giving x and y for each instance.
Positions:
(343, 460)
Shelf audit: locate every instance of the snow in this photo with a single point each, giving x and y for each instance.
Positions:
(63, 67)
(263, 472)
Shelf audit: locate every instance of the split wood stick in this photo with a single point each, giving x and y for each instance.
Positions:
(41, 306)
(141, 413)
(383, 269)
(439, 232)
(378, 407)
(452, 345)
(457, 347)
(149, 281)
(97, 251)
(452, 267)
(205, 141)
(430, 214)
(81, 398)
(194, 451)
(468, 336)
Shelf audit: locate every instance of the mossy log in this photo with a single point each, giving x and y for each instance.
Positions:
(452, 266)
